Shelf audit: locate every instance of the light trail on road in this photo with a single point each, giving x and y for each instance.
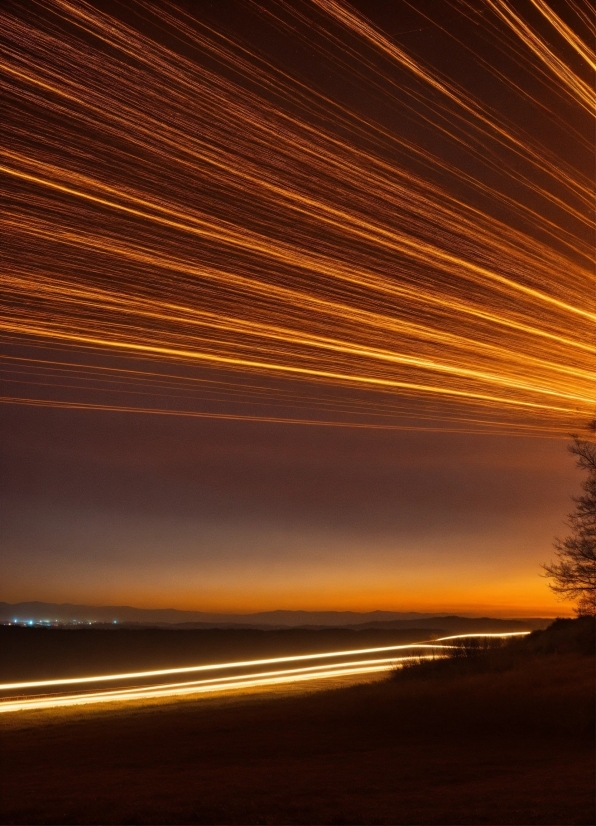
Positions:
(131, 675)
(211, 667)
(319, 671)
(487, 636)
(266, 679)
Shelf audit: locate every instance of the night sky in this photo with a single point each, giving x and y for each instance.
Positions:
(298, 301)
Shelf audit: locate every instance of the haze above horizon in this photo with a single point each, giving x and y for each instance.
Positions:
(298, 302)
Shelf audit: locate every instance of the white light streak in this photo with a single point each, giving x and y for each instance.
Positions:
(131, 675)
(319, 671)
(269, 678)
(494, 636)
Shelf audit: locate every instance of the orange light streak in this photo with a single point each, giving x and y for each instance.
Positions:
(183, 215)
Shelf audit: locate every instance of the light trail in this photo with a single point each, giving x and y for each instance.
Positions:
(475, 112)
(159, 692)
(313, 670)
(277, 677)
(520, 430)
(494, 635)
(211, 667)
(135, 675)
(175, 210)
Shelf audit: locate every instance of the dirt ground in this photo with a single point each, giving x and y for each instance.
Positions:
(515, 747)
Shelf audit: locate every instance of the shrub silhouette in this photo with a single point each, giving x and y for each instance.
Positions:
(474, 655)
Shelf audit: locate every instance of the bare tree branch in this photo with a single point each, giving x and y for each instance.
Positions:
(573, 574)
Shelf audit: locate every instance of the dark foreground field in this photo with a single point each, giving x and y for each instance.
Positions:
(506, 741)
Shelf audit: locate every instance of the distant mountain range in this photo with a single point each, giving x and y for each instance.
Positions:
(110, 614)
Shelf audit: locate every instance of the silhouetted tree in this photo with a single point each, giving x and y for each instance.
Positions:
(574, 573)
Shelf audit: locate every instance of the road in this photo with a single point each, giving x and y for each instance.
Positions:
(222, 677)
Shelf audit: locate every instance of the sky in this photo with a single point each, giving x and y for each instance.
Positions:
(298, 302)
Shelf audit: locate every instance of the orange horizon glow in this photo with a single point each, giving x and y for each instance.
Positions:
(549, 607)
